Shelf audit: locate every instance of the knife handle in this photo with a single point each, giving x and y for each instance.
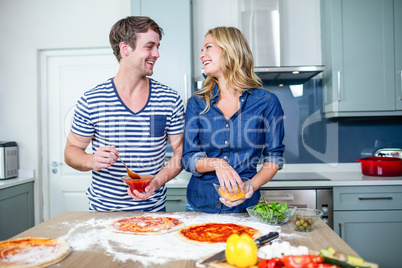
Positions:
(266, 238)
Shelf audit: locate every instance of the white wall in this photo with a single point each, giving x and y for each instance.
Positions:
(27, 26)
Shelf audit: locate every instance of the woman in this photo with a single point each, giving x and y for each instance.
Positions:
(230, 123)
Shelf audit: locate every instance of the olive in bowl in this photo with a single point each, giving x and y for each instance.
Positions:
(303, 219)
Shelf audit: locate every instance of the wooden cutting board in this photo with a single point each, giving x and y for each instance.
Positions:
(227, 265)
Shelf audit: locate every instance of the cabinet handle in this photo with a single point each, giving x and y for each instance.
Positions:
(400, 96)
(340, 230)
(185, 89)
(375, 198)
(339, 86)
(174, 200)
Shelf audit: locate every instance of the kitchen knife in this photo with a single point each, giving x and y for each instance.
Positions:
(220, 256)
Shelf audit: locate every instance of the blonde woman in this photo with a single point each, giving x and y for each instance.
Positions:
(230, 124)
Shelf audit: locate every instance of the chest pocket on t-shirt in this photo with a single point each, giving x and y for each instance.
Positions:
(158, 125)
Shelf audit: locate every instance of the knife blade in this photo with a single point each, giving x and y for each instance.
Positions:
(220, 256)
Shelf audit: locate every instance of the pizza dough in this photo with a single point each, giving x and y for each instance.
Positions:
(145, 225)
(32, 252)
(209, 233)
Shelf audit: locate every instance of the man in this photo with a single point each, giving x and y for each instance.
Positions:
(130, 116)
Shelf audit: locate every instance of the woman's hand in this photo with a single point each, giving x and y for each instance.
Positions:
(230, 204)
(228, 177)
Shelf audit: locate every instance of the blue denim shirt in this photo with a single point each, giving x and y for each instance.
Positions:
(255, 130)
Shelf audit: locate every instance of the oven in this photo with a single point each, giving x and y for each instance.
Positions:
(318, 198)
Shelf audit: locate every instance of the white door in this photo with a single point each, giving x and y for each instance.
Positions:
(65, 76)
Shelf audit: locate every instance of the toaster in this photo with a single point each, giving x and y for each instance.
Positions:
(8, 160)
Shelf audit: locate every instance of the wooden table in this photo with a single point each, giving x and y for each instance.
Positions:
(321, 237)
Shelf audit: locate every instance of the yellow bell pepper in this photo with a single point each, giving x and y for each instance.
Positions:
(241, 251)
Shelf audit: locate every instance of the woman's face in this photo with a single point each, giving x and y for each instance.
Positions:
(210, 57)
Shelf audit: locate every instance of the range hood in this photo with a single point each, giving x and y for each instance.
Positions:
(289, 75)
(260, 23)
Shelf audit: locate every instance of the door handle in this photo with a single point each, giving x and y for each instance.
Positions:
(174, 200)
(287, 197)
(375, 198)
(54, 165)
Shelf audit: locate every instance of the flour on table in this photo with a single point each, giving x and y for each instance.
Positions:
(151, 249)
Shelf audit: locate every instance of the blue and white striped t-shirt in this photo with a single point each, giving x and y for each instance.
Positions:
(140, 138)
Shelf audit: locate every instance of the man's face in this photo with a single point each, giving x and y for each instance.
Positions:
(142, 59)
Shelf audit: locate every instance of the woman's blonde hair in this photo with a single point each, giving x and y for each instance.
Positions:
(236, 63)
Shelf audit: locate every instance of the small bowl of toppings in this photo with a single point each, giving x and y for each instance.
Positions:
(303, 219)
(138, 184)
(268, 212)
(233, 193)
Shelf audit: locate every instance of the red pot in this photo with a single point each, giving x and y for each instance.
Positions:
(381, 166)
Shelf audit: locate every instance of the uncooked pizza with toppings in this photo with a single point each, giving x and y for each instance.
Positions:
(209, 233)
(32, 252)
(145, 225)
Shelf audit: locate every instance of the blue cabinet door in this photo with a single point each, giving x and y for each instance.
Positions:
(375, 235)
(16, 210)
(398, 52)
(359, 59)
(174, 66)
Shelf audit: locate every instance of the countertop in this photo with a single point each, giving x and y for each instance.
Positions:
(24, 176)
(318, 175)
(92, 245)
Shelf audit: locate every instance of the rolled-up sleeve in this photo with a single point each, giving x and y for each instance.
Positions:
(191, 149)
(274, 148)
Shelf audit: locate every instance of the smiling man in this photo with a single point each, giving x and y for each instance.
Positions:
(131, 116)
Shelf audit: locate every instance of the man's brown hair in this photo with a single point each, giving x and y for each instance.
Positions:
(126, 30)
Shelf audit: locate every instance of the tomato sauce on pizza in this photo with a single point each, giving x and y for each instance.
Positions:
(216, 232)
(32, 252)
(145, 225)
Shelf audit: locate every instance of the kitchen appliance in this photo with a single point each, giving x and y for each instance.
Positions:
(8, 160)
(389, 152)
(220, 256)
(315, 198)
(381, 166)
(260, 24)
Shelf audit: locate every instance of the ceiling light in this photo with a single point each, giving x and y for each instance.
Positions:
(296, 90)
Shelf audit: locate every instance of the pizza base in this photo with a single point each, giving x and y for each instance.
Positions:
(111, 227)
(32, 256)
(206, 243)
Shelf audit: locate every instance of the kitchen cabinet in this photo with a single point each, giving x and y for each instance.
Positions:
(361, 44)
(369, 219)
(176, 199)
(174, 66)
(16, 209)
(398, 51)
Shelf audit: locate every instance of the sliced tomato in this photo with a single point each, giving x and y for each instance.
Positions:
(299, 261)
(271, 263)
(319, 265)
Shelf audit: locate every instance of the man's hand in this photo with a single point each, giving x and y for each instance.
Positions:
(149, 190)
(104, 157)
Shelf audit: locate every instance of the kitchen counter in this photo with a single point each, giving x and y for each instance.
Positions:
(24, 176)
(320, 175)
(94, 246)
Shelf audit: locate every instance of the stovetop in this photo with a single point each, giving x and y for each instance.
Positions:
(303, 176)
